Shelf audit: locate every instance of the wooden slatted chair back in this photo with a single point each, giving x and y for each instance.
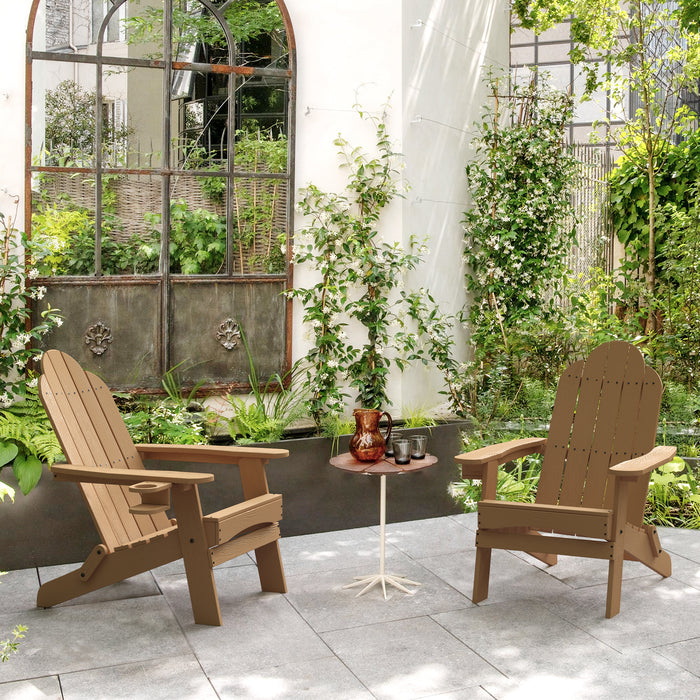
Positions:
(606, 411)
(91, 432)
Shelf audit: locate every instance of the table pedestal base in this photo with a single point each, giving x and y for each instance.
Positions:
(372, 580)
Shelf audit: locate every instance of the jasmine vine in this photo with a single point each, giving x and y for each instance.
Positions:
(16, 295)
(521, 221)
(360, 276)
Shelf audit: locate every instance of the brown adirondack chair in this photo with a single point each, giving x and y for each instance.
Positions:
(128, 502)
(596, 464)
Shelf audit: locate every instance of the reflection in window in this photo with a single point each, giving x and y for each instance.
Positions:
(124, 179)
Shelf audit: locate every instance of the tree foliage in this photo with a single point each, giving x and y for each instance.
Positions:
(650, 63)
(192, 24)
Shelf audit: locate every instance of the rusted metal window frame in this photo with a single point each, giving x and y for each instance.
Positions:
(166, 171)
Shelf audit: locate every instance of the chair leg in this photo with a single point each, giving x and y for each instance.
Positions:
(612, 605)
(270, 569)
(482, 570)
(195, 555)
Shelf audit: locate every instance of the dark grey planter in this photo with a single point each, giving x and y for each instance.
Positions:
(52, 524)
(693, 464)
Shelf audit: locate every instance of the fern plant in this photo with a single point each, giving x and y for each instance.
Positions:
(26, 440)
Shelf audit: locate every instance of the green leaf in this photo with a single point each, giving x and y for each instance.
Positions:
(27, 469)
(6, 490)
(8, 451)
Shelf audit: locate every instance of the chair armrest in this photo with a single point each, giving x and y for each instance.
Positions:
(474, 463)
(211, 454)
(640, 466)
(99, 475)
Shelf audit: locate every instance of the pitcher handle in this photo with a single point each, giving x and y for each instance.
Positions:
(388, 429)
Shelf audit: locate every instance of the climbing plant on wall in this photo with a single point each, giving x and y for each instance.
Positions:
(521, 220)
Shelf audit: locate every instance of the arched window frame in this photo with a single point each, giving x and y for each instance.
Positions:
(167, 169)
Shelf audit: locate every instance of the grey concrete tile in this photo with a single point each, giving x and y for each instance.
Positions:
(511, 578)
(468, 520)
(320, 679)
(522, 637)
(323, 602)
(161, 679)
(476, 693)
(581, 572)
(81, 637)
(47, 688)
(685, 654)
(431, 537)
(685, 570)
(681, 541)
(18, 590)
(260, 630)
(618, 677)
(654, 611)
(134, 587)
(177, 568)
(326, 551)
(410, 658)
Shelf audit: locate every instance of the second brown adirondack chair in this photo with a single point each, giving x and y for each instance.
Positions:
(596, 464)
(128, 502)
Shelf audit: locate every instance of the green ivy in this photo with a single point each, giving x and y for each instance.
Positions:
(359, 278)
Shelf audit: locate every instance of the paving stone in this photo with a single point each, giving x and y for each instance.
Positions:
(511, 578)
(18, 590)
(681, 541)
(134, 587)
(541, 633)
(47, 688)
(685, 570)
(324, 603)
(431, 537)
(328, 551)
(80, 637)
(411, 658)
(260, 630)
(685, 654)
(320, 679)
(654, 611)
(162, 679)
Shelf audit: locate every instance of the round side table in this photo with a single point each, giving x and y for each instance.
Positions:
(382, 467)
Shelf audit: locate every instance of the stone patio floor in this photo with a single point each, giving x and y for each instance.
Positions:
(542, 632)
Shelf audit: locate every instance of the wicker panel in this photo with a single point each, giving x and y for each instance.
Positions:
(259, 209)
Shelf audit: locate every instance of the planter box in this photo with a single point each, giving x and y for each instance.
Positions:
(693, 464)
(52, 524)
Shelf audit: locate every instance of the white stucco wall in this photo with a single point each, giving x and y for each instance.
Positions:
(446, 46)
(426, 56)
(13, 36)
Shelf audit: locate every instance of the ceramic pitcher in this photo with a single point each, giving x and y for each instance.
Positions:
(368, 443)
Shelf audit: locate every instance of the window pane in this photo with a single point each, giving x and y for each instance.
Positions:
(133, 100)
(200, 111)
(131, 224)
(197, 226)
(259, 209)
(63, 116)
